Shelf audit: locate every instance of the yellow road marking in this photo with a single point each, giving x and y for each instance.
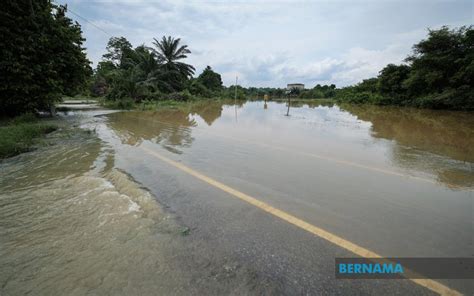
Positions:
(337, 240)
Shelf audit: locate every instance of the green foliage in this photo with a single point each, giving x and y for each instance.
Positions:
(184, 96)
(368, 85)
(119, 50)
(41, 56)
(319, 92)
(439, 75)
(390, 84)
(24, 118)
(169, 52)
(145, 73)
(259, 92)
(351, 95)
(210, 79)
(198, 89)
(231, 93)
(19, 134)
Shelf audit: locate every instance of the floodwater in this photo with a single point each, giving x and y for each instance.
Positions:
(71, 223)
(75, 220)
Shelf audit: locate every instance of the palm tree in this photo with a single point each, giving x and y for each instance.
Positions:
(146, 59)
(169, 52)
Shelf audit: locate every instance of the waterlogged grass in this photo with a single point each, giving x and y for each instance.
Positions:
(21, 134)
(154, 105)
(151, 105)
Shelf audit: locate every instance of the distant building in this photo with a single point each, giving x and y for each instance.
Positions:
(299, 86)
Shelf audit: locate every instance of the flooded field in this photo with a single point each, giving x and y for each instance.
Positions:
(73, 218)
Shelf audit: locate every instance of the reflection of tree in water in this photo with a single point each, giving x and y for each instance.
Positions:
(311, 103)
(207, 110)
(170, 128)
(210, 110)
(439, 142)
(232, 102)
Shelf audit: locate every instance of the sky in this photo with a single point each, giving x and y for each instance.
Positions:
(272, 43)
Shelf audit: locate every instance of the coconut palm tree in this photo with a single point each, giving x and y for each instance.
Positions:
(169, 52)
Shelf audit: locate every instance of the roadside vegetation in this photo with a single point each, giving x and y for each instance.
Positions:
(439, 74)
(21, 134)
(42, 56)
(43, 60)
(143, 77)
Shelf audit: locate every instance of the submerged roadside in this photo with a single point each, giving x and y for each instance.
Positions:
(22, 133)
(71, 222)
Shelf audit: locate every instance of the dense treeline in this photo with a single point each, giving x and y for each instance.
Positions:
(41, 56)
(43, 59)
(127, 75)
(151, 73)
(319, 91)
(439, 75)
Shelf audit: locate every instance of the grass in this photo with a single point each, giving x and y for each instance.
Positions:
(20, 134)
(149, 105)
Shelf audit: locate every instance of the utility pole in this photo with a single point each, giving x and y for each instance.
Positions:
(235, 96)
(289, 103)
(235, 93)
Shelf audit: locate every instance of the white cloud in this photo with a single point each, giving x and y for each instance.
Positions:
(271, 43)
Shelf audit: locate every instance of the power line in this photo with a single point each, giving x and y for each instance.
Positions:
(86, 20)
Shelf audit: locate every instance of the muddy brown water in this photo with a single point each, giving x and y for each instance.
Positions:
(74, 221)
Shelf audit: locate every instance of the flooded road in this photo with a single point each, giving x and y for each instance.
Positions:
(71, 223)
(398, 182)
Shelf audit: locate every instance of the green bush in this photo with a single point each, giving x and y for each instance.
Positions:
(25, 118)
(42, 56)
(438, 75)
(19, 135)
(123, 103)
(196, 88)
(184, 96)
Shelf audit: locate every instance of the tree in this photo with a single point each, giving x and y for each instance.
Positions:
(142, 72)
(145, 59)
(41, 56)
(390, 82)
(442, 69)
(210, 79)
(368, 85)
(195, 87)
(119, 49)
(439, 74)
(322, 91)
(169, 53)
(100, 82)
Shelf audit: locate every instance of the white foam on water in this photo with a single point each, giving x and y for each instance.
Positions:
(133, 207)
